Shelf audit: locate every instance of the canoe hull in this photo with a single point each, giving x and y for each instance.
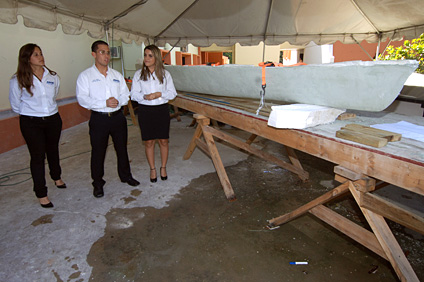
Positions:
(367, 86)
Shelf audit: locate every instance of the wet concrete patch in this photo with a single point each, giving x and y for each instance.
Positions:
(201, 236)
(45, 219)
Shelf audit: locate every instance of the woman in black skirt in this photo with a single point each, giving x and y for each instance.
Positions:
(32, 94)
(152, 88)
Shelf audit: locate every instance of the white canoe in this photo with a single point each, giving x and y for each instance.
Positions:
(366, 86)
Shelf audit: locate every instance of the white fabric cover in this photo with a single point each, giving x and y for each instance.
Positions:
(203, 22)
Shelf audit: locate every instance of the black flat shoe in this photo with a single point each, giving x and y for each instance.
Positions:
(132, 182)
(98, 192)
(163, 177)
(46, 206)
(153, 180)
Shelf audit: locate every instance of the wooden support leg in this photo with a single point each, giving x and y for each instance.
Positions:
(339, 190)
(387, 241)
(295, 161)
(197, 134)
(212, 151)
(176, 113)
(251, 139)
(220, 169)
(132, 114)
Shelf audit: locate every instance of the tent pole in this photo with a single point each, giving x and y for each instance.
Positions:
(377, 52)
(107, 33)
(362, 48)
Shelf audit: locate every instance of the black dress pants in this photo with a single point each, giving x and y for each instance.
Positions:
(42, 136)
(101, 126)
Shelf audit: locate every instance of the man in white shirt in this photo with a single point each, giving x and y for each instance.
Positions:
(103, 90)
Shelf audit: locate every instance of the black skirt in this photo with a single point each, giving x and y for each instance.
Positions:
(154, 121)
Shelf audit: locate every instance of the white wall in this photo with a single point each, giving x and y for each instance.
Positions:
(253, 55)
(318, 54)
(68, 55)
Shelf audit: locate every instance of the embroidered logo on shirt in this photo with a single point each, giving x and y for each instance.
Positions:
(115, 80)
(96, 80)
(50, 82)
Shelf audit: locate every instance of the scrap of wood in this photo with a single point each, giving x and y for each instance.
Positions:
(344, 116)
(390, 136)
(362, 138)
(347, 173)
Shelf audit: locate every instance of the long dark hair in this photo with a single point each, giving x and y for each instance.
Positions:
(159, 69)
(24, 73)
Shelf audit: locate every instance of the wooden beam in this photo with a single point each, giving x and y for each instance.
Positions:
(387, 241)
(402, 215)
(336, 192)
(266, 156)
(351, 229)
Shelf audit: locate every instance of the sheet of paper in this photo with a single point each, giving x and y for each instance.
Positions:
(407, 129)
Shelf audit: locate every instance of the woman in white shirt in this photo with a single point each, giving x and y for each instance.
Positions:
(152, 88)
(32, 93)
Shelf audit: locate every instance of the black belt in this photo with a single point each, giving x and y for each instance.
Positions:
(39, 118)
(109, 114)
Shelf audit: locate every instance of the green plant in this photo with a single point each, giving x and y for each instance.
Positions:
(411, 50)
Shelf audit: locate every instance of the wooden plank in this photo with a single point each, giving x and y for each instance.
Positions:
(242, 145)
(370, 162)
(349, 228)
(336, 192)
(362, 138)
(402, 215)
(390, 136)
(387, 241)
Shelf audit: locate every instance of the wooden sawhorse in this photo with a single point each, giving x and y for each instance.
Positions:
(208, 146)
(381, 240)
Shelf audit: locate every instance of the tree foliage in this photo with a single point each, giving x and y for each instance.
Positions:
(411, 50)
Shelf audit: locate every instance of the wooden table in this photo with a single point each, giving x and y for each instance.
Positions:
(358, 168)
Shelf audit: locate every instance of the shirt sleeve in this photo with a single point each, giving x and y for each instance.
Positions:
(170, 92)
(136, 94)
(83, 94)
(57, 85)
(124, 93)
(15, 94)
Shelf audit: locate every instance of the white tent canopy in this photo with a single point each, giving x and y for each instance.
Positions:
(224, 22)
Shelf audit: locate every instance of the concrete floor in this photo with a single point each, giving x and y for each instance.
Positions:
(182, 229)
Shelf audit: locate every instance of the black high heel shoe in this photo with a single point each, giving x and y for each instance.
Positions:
(48, 205)
(62, 186)
(163, 177)
(153, 180)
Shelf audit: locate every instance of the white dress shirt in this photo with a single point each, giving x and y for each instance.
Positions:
(42, 103)
(140, 88)
(93, 89)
